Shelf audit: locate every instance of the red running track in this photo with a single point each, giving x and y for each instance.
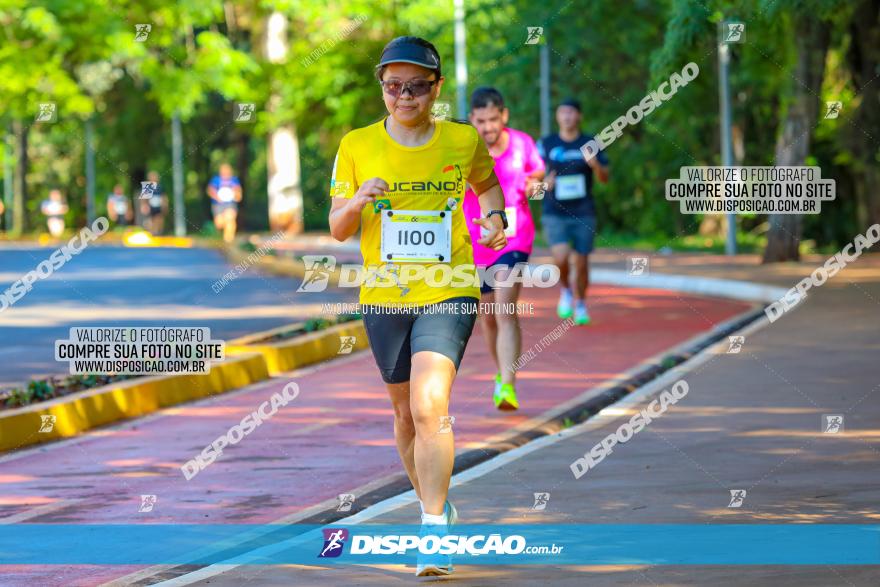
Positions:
(337, 435)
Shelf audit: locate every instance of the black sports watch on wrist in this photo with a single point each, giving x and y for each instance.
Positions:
(501, 213)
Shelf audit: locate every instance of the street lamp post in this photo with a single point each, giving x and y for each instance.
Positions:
(545, 87)
(460, 60)
(726, 139)
(177, 175)
(90, 170)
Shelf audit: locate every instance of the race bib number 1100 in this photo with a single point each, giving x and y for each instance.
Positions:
(416, 236)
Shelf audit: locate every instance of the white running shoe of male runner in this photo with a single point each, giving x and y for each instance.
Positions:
(563, 308)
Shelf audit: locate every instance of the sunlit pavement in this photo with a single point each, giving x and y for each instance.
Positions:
(334, 437)
(751, 421)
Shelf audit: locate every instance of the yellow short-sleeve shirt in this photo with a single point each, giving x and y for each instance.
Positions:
(432, 176)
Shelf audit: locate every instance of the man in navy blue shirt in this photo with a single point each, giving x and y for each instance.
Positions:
(569, 212)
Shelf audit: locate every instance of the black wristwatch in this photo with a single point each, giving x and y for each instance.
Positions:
(503, 215)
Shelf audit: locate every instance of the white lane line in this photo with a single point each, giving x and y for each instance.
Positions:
(137, 576)
(638, 396)
(722, 288)
(539, 420)
(409, 497)
(706, 286)
(597, 421)
(38, 511)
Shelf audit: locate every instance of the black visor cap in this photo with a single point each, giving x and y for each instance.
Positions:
(410, 53)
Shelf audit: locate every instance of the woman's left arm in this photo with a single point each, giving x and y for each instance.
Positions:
(485, 184)
(492, 199)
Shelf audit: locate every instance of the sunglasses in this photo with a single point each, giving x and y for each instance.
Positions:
(416, 87)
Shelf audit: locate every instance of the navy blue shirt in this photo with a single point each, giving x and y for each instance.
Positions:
(573, 188)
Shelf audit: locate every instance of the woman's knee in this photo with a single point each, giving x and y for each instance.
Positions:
(399, 393)
(428, 413)
(429, 390)
(403, 421)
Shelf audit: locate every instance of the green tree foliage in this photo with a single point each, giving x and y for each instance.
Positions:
(203, 56)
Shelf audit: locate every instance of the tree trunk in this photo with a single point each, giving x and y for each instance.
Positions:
(714, 224)
(864, 64)
(8, 156)
(284, 187)
(21, 166)
(812, 38)
(138, 174)
(285, 191)
(242, 165)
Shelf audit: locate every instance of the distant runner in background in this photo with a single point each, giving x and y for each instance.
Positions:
(225, 191)
(519, 168)
(54, 208)
(569, 213)
(118, 207)
(154, 206)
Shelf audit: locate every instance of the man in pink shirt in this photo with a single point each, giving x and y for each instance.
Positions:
(519, 168)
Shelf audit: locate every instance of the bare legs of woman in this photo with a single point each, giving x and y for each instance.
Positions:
(425, 441)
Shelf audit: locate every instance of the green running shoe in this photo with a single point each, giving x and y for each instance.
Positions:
(581, 316)
(505, 397)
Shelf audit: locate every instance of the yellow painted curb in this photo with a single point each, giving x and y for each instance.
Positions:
(142, 238)
(245, 364)
(306, 349)
(90, 408)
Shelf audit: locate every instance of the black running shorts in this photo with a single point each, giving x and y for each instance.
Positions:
(397, 333)
(509, 259)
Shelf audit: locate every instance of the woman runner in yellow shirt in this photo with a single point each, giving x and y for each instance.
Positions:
(402, 181)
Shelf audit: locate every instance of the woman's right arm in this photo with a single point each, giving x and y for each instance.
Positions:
(345, 213)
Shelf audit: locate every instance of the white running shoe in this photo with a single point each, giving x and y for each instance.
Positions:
(433, 569)
(563, 308)
(451, 514)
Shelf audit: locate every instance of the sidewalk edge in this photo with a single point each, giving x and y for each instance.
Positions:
(246, 364)
(397, 487)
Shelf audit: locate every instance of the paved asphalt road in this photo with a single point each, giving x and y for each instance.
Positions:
(116, 286)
